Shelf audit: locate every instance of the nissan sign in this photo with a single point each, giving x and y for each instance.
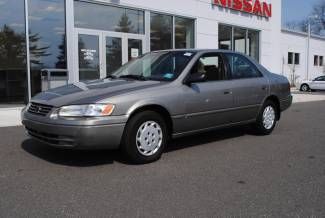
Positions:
(256, 7)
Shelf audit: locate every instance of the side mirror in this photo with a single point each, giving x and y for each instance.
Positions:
(196, 78)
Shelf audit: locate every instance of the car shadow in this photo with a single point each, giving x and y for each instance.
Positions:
(201, 139)
(90, 158)
(75, 158)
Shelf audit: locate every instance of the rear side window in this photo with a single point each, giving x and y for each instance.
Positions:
(241, 67)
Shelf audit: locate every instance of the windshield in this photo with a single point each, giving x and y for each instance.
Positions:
(161, 66)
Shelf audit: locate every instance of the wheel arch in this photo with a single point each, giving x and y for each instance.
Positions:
(275, 100)
(158, 109)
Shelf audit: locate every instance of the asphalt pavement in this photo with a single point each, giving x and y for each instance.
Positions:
(224, 173)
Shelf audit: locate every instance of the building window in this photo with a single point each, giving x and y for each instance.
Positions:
(47, 38)
(321, 61)
(13, 76)
(293, 58)
(290, 58)
(184, 33)
(297, 58)
(161, 32)
(239, 39)
(315, 60)
(162, 28)
(109, 18)
(225, 37)
(253, 41)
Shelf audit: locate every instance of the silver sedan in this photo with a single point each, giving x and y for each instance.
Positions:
(159, 96)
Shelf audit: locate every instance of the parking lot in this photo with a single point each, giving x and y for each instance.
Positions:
(224, 173)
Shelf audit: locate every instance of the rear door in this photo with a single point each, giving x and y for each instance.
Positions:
(250, 87)
(208, 103)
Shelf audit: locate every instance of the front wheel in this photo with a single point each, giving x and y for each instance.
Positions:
(267, 118)
(144, 137)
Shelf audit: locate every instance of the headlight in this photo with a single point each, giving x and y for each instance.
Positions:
(91, 110)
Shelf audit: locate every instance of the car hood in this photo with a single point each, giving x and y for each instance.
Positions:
(91, 92)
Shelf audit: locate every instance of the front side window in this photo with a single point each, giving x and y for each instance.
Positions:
(241, 67)
(321, 78)
(212, 66)
(160, 66)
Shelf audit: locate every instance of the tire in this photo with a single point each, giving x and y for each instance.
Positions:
(268, 111)
(304, 88)
(145, 137)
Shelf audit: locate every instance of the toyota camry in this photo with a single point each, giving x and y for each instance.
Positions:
(156, 97)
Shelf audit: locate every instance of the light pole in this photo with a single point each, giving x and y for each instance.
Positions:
(308, 42)
(308, 48)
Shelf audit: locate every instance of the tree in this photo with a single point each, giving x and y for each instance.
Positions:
(125, 25)
(62, 63)
(318, 18)
(12, 48)
(36, 51)
(301, 26)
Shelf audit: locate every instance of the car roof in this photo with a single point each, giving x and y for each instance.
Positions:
(200, 50)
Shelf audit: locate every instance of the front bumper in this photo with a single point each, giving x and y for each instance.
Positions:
(75, 136)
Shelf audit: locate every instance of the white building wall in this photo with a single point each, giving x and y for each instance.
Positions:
(274, 43)
(317, 47)
(298, 43)
(208, 17)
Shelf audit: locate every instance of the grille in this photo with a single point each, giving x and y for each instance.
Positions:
(39, 109)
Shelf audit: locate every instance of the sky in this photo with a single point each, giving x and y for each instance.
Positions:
(293, 10)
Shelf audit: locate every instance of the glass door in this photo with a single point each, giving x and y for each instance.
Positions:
(113, 45)
(100, 53)
(89, 51)
(113, 54)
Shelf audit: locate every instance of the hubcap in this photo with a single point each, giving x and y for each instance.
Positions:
(304, 88)
(268, 117)
(149, 138)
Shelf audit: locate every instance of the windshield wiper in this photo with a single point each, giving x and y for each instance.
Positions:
(135, 77)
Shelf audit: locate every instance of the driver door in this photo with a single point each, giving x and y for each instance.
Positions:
(208, 104)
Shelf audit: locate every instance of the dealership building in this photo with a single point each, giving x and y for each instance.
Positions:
(47, 43)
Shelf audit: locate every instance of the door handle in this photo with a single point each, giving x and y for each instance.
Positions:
(227, 92)
(263, 87)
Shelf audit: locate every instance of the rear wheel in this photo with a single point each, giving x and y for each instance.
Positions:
(304, 88)
(145, 137)
(267, 118)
